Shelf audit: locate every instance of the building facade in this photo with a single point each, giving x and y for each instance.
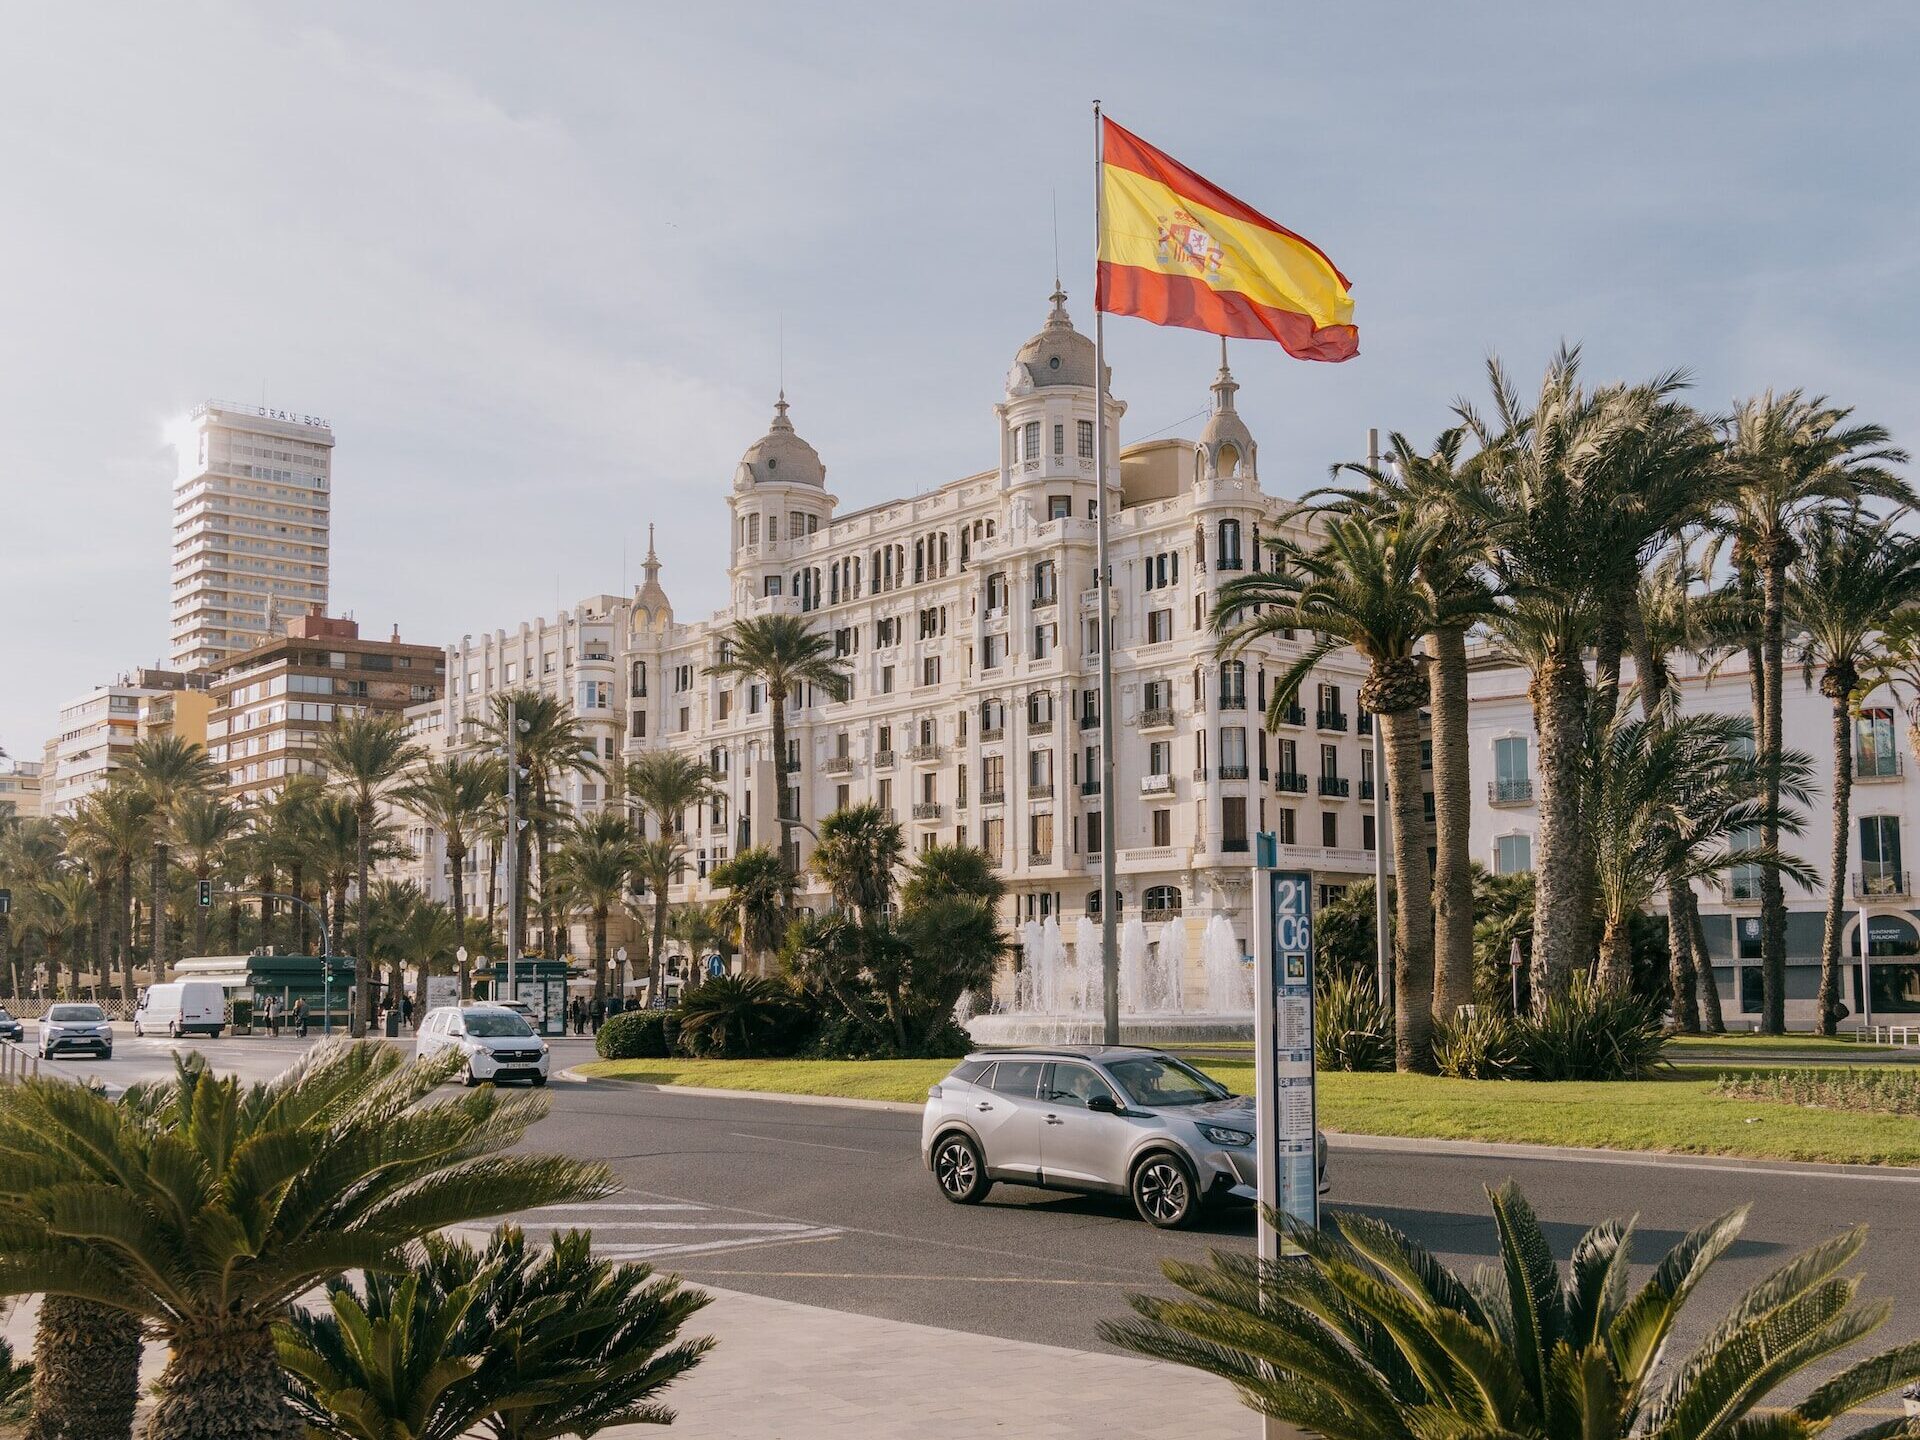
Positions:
(251, 505)
(97, 731)
(20, 788)
(273, 704)
(1885, 806)
(968, 617)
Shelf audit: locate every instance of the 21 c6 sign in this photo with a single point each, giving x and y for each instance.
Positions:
(1288, 1111)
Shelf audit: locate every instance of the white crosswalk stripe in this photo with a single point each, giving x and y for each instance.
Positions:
(637, 1229)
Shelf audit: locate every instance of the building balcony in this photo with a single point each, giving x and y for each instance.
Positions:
(1741, 886)
(992, 732)
(1510, 792)
(928, 810)
(1294, 715)
(1089, 787)
(1233, 772)
(1880, 883)
(1156, 784)
(1040, 790)
(1234, 845)
(1334, 785)
(837, 765)
(1330, 719)
(993, 795)
(1290, 782)
(1366, 788)
(1160, 717)
(1154, 913)
(792, 767)
(883, 759)
(1235, 701)
(1045, 602)
(924, 753)
(1364, 725)
(1089, 722)
(1876, 767)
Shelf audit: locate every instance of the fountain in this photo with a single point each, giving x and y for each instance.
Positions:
(1058, 997)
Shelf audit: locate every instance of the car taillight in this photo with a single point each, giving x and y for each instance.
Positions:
(933, 1092)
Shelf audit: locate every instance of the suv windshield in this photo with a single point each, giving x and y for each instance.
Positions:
(496, 1025)
(1162, 1080)
(76, 1012)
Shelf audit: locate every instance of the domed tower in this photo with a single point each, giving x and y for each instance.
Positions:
(1226, 448)
(779, 494)
(1047, 417)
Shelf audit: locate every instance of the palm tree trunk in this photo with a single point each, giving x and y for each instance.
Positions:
(783, 832)
(158, 962)
(362, 960)
(296, 882)
(493, 884)
(6, 957)
(233, 927)
(224, 1387)
(1710, 1015)
(1773, 896)
(1616, 954)
(86, 1371)
(1681, 969)
(1453, 813)
(1560, 923)
(339, 912)
(1413, 964)
(1828, 1011)
(126, 929)
(600, 952)
(457, 859)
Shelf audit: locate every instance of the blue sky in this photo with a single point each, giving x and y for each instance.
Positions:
(535, 262)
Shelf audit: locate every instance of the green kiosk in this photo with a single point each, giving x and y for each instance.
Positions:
(540, 985)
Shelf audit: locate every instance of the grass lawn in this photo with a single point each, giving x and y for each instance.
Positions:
(1764, 1043)
(1678, 1113)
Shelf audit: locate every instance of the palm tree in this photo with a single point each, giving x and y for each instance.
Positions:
(666, 786)
(592, 870)
(330, 837)
(205, 1207)
(784, 653)
(699, 927)
(1361, 586)
(1851, 577)
(761, 894)
(454, 797)
(119, 820)
(168, 769)
(550, 744)
(1669, 801)
(1369, 1337)
(365, 755)
(860, 849)
(1436, 483)
(86, 1370)
(206, 827)
(62, 908)
(1791, 457)
(32, 853)
(942, 871)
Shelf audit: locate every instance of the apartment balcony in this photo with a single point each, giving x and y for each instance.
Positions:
(1156, 784)
(922, 754)
(1869, 768)
(1236, 701)
(1334, 785)
(883, 759)
(928, 810)
(1233, 772)
(1364, 725)
(992, 732)
(993, 795)
(1366, 788)
(1154, 913)
(1510, 792)
(1160, 717)
(1089, 787)
(1045, 602)
(1294, 715)
(837, 765)
(1089, 722)
(1880, 883)
(1330, 719)
(1741, 886)
(792, 767)
(1040, 790)
(1234, 845)
(1290, 782)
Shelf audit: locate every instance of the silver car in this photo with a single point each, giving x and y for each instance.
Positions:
(1115, 1120)
(76, 1027)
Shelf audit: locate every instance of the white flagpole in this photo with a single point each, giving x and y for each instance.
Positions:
(1109, 816)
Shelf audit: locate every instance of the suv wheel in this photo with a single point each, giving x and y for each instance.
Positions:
(1164, 1192)
(960, 1170)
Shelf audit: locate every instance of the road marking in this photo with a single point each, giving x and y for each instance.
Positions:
(655, 1252)
(816, 1144)
(595, 1206)
(757, 1226)
(875, 1275)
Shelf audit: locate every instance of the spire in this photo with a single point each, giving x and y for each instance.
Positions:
(1058, 315)
(650, 594)
(652, 563)
(1224, 385)
(780, 420)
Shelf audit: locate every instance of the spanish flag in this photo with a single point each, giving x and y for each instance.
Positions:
(1177, 250)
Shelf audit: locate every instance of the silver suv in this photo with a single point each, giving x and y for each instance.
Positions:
(1110, 1119)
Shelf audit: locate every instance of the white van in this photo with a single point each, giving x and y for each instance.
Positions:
(182, 1007)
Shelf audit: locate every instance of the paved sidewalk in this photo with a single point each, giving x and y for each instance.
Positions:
(799, 1372)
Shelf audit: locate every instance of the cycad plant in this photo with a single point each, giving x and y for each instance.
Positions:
(86, 1371)
(1367, 1336)
(204, 1206)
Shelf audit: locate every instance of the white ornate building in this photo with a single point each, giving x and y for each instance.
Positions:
(967, 615)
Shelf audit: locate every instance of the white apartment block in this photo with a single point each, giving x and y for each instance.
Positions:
(251, 502)
(97, 732)
(1885, 805)
(968, 616)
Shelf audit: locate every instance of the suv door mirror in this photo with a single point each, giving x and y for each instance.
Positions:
(1103, 1105)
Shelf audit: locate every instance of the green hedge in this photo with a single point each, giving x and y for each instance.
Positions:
(635, 1035)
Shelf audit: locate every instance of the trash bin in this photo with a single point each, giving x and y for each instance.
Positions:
(393, 1024)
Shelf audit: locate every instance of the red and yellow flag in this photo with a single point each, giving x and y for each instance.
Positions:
(1177, 250)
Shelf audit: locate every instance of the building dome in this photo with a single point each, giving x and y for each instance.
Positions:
(1226, 445)
(780, 456)
(1058, 355)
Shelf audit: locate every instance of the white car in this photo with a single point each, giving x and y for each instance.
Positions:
(497, 1042)
(76, 1027)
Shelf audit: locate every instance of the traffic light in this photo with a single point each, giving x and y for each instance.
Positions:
(206, 894)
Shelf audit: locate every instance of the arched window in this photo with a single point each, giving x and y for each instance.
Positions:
(1230, 545)
(1093, 903)
(1162, 899)
(1229, 458)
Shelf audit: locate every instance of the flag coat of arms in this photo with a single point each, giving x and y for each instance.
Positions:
(1178, 250)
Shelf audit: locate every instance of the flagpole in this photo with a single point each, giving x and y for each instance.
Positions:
(1109, 817)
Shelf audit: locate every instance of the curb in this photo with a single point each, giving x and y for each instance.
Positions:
(898, 1107)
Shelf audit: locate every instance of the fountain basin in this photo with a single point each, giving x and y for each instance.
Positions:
(1186, 1028)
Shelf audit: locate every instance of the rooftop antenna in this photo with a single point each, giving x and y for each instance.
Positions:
(1056, 237)
(783, 354)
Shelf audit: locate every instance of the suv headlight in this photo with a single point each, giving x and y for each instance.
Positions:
(1221, 1135)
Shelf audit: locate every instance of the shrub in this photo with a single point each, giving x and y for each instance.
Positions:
(1482, 1046)
(633, 1035)
(740, 1015)
(1352, 1029)
(1591, 1034)
(1891, 1092)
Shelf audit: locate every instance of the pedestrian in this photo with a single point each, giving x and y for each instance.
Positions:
(406, 1011)
(578, 1013)
(597, 1013)
(273, 1018)
(300, 1017)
